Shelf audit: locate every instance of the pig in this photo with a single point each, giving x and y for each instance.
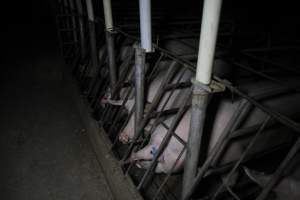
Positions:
(223, 114)
(127, 133)
(287, 187)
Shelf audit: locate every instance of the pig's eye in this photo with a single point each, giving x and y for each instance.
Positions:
(153, 150)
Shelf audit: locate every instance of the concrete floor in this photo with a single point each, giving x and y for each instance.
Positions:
(45, 152)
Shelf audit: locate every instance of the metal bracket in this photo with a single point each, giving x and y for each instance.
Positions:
(213, 87)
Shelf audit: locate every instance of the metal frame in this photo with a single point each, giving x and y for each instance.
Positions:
(210, 165)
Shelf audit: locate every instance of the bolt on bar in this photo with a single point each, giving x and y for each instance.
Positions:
(201, 90)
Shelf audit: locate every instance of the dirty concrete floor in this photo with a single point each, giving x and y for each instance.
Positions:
(45, 152)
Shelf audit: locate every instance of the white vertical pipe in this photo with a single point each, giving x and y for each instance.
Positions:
(108, 15)
(208, 37)
(145, 25)
(90, 11)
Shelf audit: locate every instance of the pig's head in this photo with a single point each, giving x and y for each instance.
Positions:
(104, 99)
(144, 157)
(127, 132)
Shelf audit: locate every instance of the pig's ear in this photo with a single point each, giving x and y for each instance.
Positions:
(258, 177)
(115, 102)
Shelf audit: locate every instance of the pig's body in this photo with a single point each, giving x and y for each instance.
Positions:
(224, 112)
(287, 187)
(173, 102)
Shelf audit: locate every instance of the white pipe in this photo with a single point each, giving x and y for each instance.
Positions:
(145, 25)
(208, 37)
(108, 15)
(90, 11)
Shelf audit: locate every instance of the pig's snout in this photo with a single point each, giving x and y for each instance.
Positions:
(104, 101)
(124, 137)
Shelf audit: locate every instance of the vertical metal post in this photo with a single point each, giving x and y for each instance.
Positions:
(140, 59)
(73, 20)
(111, 59)
(81, 29)
(199, 105)
(208, 38)
(145, 25)
(139, 85)
(108, 15)
(110, 43)
(201, 90)
(92, 33)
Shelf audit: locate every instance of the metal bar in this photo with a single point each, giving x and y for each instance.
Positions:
(226, 167)
(198, 113)
(92, 32)
(278, 173)
(111, 59)
(124, 65)
(169, 174)
(165, 141)
(163, 112)
(145, 25)
(281, 83)
(158, 121)
(245, 131)
(243, 156)
(73, 20)
(267, 61)
(243, 113)
(279, 117)
(67, 15)
(214, 151)
(108, 15)
(178, 85)
(207, 45)
(271, 49)
(140, 57)
(208, 38)
(173, 133)
(284, 120)
(81, 29)
(154, 104)
(66, 10)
